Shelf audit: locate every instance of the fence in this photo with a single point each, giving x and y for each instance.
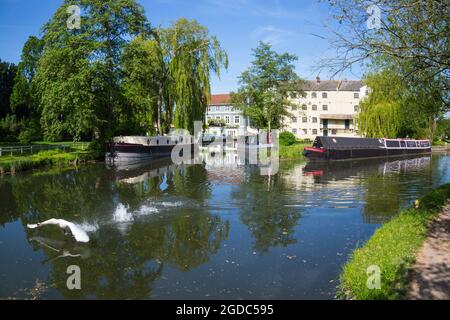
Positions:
(31, 149)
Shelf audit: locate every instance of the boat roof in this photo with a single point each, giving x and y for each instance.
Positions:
(348, 143)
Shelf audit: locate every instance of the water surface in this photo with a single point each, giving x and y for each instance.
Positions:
(213, 230)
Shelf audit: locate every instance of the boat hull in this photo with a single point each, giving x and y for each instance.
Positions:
(126, 152)
(336, 154)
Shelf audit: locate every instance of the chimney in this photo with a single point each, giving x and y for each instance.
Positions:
(318, 79)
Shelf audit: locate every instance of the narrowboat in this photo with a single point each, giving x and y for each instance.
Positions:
(137, 148)
(340, 148)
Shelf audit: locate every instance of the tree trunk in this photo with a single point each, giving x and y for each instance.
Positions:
(159, 104)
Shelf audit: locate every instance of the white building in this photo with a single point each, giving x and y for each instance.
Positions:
(234, 123)
(329, 109)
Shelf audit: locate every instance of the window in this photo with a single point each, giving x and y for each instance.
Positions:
(324, 107)
(392, 144)
(294, 131)
(314, 95)
(227, 108)
(314, 131)
(305, 131)
(314, 107)
(294, 119)
(293, 95)
(237, 119)
(411, 144)
(227, 119)
(356, 95)
(232, 133)
(209, 109)
(304, 107)
(324, 95)
(314, 119)
(356, 108)
(333, 131)
(304, 119)
(347, 124)
(403, 144)
(218, 117)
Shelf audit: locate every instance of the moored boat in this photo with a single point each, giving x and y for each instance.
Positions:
(339, 148)
(135, 148)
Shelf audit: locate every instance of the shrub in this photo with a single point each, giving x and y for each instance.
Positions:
(287, 138)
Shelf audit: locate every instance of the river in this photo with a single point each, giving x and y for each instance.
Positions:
(217, 230)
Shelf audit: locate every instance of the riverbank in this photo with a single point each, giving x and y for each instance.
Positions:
(393, 249)
(294, 151)
(54, 157)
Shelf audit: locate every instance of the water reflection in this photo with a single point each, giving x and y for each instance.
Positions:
(217, 229)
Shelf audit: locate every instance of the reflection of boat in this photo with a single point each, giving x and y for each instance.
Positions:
(343, 169)
(132, 148)
(138, 171)
(336, 148)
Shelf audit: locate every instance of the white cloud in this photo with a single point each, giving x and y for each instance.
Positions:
(272, 34)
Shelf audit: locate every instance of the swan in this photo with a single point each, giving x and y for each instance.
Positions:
(79, 234)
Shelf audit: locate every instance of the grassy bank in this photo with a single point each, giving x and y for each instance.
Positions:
(53, 157)
(294, 151)
(392, 248)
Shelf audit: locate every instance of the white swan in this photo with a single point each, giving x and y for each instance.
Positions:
(79, 234)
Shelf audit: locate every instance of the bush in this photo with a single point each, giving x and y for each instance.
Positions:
(287, 138)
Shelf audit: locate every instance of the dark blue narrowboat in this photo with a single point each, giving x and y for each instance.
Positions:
(340, 148)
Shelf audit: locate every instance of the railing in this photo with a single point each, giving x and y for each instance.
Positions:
(31, 149)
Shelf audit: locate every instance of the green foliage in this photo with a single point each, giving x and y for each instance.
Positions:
(167, 79)
(294, 151)
(7, 74)
(79, 74)
(395, 109)
(216, 122)
(287, 138)
(43, 158)
(265, 87)
(393, 248)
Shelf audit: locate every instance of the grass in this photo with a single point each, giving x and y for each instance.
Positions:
(14, 164)
(392, 248)
(294, 151)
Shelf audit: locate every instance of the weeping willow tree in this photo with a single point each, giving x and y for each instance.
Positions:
(170, 74)
(381, 112)
(192, 55)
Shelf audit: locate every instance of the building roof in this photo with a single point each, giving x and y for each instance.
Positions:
(220, 99)
(332, 85)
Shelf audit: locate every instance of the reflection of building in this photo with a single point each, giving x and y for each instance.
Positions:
(223, 118)
(329, 108)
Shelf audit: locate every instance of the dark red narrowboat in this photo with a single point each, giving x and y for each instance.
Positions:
(340, 148)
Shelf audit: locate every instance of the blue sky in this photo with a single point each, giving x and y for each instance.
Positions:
(289, 25)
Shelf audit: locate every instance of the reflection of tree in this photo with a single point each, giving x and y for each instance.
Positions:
(115, 265)
(270, 222)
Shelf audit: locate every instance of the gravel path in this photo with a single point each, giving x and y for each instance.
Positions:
(430, 275)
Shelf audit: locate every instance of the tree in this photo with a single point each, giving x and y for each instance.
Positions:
(265, 87)
(7, 74)
(395, 109)
(412, 34)
(170, 74)
(79, 74)
(23, 102)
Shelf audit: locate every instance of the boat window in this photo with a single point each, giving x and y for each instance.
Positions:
(168, 141)
(411, 144)
(403, 144)
(392, 144)
(157, 141)
(425, 144)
